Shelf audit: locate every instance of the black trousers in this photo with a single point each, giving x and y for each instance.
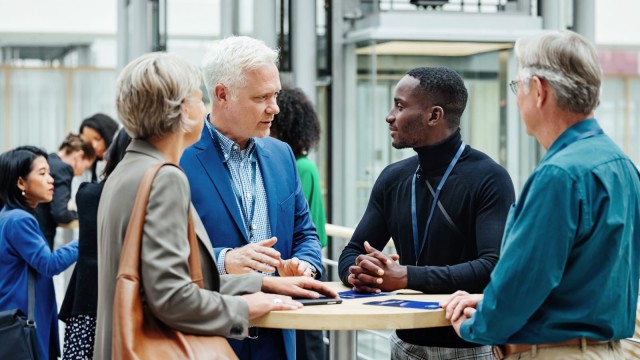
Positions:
(309, 343)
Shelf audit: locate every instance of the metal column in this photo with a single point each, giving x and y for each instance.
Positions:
(342, 345)
(229, 19)
(303, 47)
(554, 14)
(139, 36)
(134, 29)
(264, 22)
(123, 33)
(584, 18)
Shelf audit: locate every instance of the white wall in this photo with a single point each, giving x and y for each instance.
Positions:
(617, 23)
(59, 16)
(193, 18)
(54, 21)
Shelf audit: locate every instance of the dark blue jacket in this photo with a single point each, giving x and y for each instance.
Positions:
(213, 197)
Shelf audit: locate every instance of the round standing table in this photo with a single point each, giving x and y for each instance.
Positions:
(342, 320)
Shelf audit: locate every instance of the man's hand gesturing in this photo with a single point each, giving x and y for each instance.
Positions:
(260, 256)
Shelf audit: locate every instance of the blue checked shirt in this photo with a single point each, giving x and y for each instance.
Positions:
(239, 165)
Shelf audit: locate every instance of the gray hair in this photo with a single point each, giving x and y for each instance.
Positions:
(229, 59)
(568, 62)
(150, 91)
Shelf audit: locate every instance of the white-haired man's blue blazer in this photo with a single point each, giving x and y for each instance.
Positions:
(289, 218)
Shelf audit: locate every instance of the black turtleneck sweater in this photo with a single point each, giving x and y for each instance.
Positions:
(476, 196)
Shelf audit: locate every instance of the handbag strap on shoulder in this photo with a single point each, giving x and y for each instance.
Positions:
(31, 280)
(195, 266)
(129, 265)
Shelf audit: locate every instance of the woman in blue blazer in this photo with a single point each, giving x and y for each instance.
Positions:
(25, 182)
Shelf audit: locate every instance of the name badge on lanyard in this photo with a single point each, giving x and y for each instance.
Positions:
(419, 247)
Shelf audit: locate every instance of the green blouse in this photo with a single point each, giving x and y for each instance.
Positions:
(310, 181)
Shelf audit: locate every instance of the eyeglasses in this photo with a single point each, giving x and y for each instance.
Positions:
(513, 85)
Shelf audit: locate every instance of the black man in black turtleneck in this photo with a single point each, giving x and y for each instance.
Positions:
(465, 232)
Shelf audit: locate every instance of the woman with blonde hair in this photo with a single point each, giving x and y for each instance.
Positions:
(159, 102)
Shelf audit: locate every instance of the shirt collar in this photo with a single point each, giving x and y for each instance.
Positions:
(572, 132)
(227, 145)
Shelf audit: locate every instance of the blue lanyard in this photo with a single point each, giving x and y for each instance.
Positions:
(414, 217)
(247, 216)
(578, 137)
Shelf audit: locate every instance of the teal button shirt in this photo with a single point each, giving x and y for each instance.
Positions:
(570, 253)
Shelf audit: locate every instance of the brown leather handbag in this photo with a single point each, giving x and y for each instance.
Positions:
(137, 334)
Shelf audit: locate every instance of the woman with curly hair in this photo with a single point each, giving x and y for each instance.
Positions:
(297, 124)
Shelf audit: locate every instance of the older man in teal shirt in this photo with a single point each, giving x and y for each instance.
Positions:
(566, 284)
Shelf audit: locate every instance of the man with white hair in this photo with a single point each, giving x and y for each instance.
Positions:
(566, 284)
(245, 185)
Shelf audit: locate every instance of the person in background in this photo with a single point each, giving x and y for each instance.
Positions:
(24, 183)
(566, 285)
(98, 130)
(445, 209)
(245, 184)
(160, 104)
(297, 124)
(74, 157)
(78, 309)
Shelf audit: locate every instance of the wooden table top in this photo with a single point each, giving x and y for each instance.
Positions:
(351, 314)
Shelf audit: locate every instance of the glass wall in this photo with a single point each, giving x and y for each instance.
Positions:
(481, 121)
(619, 113)
(373, 149)
(611, 111)
(37, 107)
(41, 105)
(93, 92)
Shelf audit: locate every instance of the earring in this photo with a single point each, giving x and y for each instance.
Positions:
(23, 194)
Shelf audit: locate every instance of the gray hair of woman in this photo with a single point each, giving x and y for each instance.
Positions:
(150, 92)
(568, 62)
(227, 61)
